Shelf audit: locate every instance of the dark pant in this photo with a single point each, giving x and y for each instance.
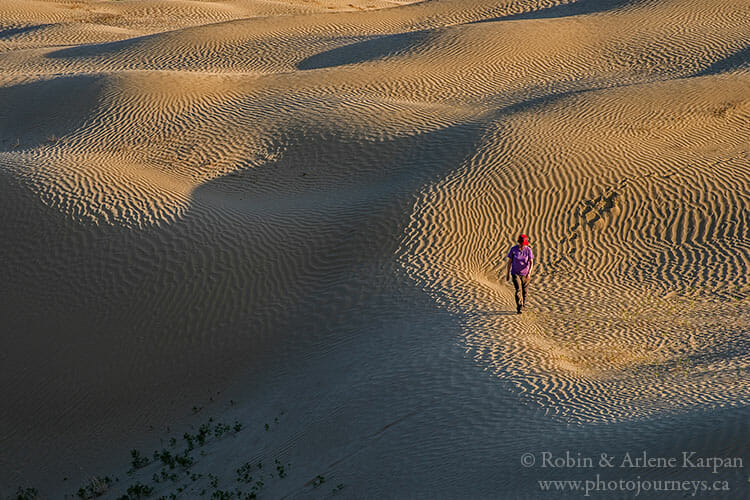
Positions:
(521, 284)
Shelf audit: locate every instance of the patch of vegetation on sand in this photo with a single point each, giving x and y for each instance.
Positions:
(179, 470)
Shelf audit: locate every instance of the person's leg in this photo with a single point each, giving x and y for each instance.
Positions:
(517, 284)
(524, 287)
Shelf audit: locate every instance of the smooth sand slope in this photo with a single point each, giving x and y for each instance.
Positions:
(296, 213)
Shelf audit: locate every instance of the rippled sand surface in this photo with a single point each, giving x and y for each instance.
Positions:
(257, 208)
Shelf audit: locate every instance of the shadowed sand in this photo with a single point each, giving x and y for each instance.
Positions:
(297, 212)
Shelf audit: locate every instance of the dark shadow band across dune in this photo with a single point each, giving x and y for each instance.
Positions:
(737, 61)
(22, 127)
(380, 47)
(576, 8)
(21, 30)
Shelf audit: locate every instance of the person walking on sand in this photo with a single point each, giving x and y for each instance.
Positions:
(520, 264)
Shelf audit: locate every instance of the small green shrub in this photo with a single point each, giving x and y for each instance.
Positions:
(27, 493)
(138, 461)
(138, 490)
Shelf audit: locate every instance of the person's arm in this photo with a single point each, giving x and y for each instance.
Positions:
(531, 262)
(507, 269)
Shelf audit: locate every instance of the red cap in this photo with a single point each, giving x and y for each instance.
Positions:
(523, 240)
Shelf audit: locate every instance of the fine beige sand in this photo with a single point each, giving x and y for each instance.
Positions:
(296, 213)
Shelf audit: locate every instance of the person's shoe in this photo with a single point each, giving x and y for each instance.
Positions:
(518, 309)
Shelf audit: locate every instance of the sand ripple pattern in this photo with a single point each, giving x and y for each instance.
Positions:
(189, 188)
(636, 200)
(625, 188)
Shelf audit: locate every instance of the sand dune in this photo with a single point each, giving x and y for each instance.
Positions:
(260, 208)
